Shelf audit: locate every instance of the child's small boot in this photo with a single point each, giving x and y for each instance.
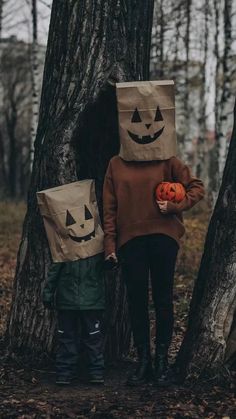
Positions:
(143, 372)
(67, 353)
(96, 367)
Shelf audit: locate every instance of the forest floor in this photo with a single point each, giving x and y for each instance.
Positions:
(27, 393)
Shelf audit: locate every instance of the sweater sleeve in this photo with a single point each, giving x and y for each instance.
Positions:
(51, 282)
(194, 187)
(109, 213)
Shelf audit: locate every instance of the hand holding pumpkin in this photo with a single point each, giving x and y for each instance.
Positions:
(170, 191)
(162, 206)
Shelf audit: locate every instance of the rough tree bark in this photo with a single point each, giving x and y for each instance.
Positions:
(91, 45)
(209, 345)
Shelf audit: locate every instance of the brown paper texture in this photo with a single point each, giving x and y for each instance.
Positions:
(71, 219)
(146, 111)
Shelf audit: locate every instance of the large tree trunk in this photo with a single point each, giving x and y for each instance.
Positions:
(91, 45)
(210, 341)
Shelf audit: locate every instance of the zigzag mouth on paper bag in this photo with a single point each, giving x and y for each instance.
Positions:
(145, 139)
(83, 238)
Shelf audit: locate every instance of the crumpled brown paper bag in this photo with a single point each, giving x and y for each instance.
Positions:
(146, 111)
(71, 219)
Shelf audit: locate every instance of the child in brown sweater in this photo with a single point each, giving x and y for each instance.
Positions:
(145, 233)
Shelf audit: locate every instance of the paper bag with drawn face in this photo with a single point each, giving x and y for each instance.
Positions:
(71, 219)
(146, 112)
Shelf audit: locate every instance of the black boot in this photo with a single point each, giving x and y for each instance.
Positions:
(143, 372)
(161, 370)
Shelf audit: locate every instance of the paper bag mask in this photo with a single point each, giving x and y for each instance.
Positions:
(146, 112)
(71, 220)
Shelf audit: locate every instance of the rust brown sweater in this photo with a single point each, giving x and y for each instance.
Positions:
(130, 208)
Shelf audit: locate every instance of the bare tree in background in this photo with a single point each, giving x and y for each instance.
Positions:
(27, 108)
(2, 162)
(1, 10)
(225, 67)
(188, 38)
(227, 96)
(202, 165)
(35, 79)
(183, 49)
(15, 119)
(171, 58)
(158, 35)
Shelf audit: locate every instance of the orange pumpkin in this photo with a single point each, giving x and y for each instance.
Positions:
(168, 191)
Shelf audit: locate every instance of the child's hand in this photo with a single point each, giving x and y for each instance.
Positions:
(163, 206)
(111, 261)
(112, 256)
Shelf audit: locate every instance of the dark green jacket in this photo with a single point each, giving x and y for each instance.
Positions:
(77, 285)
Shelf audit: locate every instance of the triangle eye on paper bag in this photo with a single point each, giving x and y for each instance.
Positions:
(69, 219)
(139, 104)
(88, 215)
(70, 236)
(158, 116)
(136, 116)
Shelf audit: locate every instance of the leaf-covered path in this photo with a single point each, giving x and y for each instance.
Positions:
(33, 394)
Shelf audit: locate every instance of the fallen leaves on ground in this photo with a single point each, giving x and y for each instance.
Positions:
(32, 394)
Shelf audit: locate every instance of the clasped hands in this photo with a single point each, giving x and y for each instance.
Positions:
(111, 261)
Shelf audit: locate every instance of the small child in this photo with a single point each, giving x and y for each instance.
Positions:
(76, 290)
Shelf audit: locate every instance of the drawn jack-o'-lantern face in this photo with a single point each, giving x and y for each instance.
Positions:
(145, 138)
(83, 229)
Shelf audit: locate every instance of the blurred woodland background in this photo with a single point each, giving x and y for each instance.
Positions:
(193, 42)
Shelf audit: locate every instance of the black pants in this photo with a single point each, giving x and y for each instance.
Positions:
(74, 326)
(155, 256)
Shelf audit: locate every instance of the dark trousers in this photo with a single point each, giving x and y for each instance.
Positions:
(143, 257)
(75, 326)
